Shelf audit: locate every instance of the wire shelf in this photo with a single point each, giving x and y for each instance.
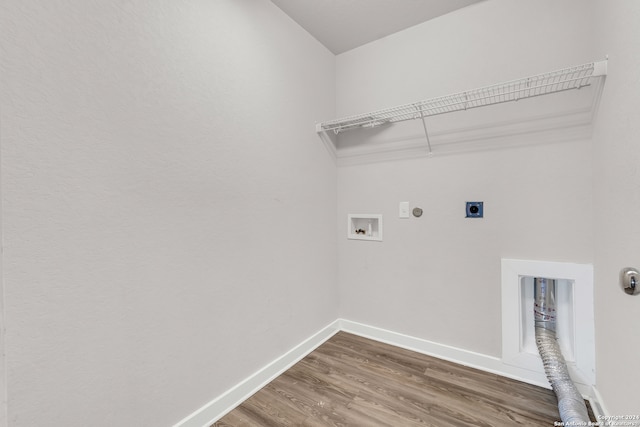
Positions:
(528, 87)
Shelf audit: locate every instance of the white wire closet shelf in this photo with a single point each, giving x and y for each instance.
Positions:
(542, 84)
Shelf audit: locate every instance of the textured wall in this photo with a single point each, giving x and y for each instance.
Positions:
(617, 204)
(168, 211)
(438, 277)
(169, 214)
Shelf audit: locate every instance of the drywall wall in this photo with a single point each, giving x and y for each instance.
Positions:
(438, 277)
(617, 203)
(168, 212)
(3, 375)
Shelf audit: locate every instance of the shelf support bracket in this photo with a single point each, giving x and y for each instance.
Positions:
(329, 140)
(424, 125)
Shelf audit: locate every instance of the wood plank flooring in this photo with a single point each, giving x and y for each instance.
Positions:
(354, 381)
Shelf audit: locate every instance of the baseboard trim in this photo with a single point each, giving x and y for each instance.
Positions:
(223, 404)
(217, 408)
(463, 357)
(598, 406)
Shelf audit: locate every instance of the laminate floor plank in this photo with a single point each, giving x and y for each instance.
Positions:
(354, 381)
(458, 399)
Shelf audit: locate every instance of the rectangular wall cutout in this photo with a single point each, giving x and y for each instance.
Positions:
(364, 227)
(575, 318)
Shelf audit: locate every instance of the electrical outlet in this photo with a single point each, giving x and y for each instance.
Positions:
(475, 209)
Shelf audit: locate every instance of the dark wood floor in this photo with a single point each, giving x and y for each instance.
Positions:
(354, 381)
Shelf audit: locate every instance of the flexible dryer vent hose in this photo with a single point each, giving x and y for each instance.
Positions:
(570, 402)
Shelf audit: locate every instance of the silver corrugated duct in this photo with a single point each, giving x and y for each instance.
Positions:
(570, 402)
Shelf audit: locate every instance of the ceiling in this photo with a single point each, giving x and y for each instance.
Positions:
(342, 25)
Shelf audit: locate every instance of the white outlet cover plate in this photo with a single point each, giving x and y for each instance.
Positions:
(403, 211)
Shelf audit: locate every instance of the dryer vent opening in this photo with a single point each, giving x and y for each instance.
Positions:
(573, 410)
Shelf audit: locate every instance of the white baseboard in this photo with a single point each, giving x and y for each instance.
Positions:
(220, 406)
(463, 357)
(598, 406)
(223, 404)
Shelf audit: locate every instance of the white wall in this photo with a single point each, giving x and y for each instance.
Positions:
(168, 212)
(438, 277)
(157, 249)
(3, 375)
(617, 203)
